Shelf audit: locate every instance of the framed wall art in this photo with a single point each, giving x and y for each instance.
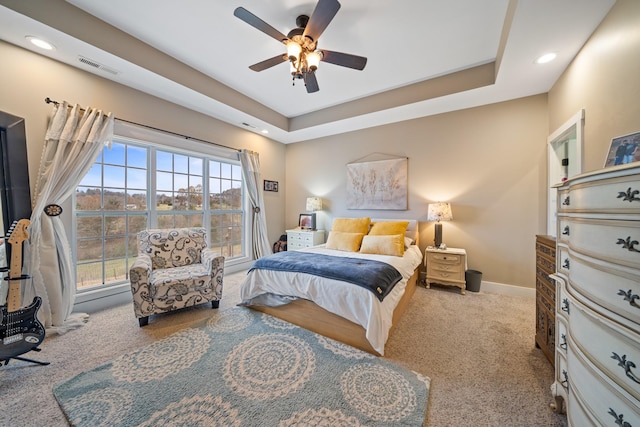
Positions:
(379, 184)
(624, 149)
(270, 185)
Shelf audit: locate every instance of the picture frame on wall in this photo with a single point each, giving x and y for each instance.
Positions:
(307, 221)
(623, 150)
(270, 185)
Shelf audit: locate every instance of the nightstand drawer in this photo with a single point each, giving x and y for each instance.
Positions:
(299, 239)
(445, 258)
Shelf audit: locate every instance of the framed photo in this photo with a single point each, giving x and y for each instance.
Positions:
(270, 185)
(624, 149)
(307, 221)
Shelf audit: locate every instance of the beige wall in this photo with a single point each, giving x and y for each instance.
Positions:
(489, 162)
(604, 79)
(29, 78)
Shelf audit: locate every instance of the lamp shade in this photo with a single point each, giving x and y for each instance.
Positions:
(314, 204)
(440, 211)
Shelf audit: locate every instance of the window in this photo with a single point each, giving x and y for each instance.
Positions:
(134, 186)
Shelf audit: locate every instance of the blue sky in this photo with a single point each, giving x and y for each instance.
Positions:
(180, 171)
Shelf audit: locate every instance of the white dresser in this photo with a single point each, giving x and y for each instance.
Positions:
(298, 238)
(597, 356)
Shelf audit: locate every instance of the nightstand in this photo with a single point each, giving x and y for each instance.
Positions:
(298, 238)
(446, 267)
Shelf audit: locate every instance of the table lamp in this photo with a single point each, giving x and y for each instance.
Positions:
(314, 204)
(440, 211)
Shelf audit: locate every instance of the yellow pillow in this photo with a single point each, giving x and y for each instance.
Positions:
(383, 245)
(351, 225)
(343, 241)
(385, 228)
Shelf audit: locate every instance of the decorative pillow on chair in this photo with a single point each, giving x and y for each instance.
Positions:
(386, 228)
(351, 225)
(383, 245)
(344, 241)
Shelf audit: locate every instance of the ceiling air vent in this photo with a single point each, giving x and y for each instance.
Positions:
(95, 64)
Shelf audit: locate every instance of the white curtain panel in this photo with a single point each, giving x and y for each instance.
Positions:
(73, 142)
(251, 172)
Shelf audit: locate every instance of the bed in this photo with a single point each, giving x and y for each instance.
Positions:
(334, 308)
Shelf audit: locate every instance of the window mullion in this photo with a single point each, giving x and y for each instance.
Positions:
(152, 203)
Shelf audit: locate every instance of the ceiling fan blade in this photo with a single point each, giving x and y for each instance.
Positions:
(311, 82)
(320, 18)
(268, 63)
(344, 59)
(259, 24)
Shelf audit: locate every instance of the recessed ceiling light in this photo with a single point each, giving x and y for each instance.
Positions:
(547, 57)
(265, 131)
(42, 44)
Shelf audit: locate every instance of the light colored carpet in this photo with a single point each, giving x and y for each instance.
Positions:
(478, 350)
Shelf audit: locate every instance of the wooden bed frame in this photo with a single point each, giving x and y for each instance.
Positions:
(311, 316)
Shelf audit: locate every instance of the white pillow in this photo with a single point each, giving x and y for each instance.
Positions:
(408, 241)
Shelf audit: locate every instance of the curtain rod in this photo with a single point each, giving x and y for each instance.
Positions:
(51, 101)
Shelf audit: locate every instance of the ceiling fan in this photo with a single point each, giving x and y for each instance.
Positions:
(302, 44)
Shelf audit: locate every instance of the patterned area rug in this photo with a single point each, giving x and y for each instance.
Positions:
(245, 368)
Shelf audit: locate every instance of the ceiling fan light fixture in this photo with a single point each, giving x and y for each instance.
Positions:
(301, 43)
(313, 60)
(293, 51)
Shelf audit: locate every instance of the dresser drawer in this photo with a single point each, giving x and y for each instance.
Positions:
(563, 262)
(564, 200)
(546, 251)
(612, 241)
(564, 229)
(562, 375)
(562, 300)
(561, 339)
(612, 348)
(546, 287)
(599, 396)
(611, 195)
(614, 288)
(577, 414)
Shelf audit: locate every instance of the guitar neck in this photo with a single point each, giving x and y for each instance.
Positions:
(15, 272)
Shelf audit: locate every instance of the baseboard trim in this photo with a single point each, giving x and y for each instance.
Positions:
(504, 289)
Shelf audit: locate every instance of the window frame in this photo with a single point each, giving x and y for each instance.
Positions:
(135, 135)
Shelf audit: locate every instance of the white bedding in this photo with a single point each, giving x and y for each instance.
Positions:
(350, 301)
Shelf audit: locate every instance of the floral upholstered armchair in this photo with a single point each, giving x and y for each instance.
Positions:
(174, 269)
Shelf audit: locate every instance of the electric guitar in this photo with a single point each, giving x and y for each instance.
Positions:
(20, 329)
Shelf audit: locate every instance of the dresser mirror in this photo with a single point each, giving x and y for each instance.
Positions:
(15, 195)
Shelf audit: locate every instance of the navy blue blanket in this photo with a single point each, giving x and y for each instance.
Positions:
(376, 276)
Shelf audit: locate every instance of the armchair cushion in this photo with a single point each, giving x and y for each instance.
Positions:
(175, 247)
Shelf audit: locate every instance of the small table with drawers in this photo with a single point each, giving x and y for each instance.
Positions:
(446, 267)
(298, 238)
